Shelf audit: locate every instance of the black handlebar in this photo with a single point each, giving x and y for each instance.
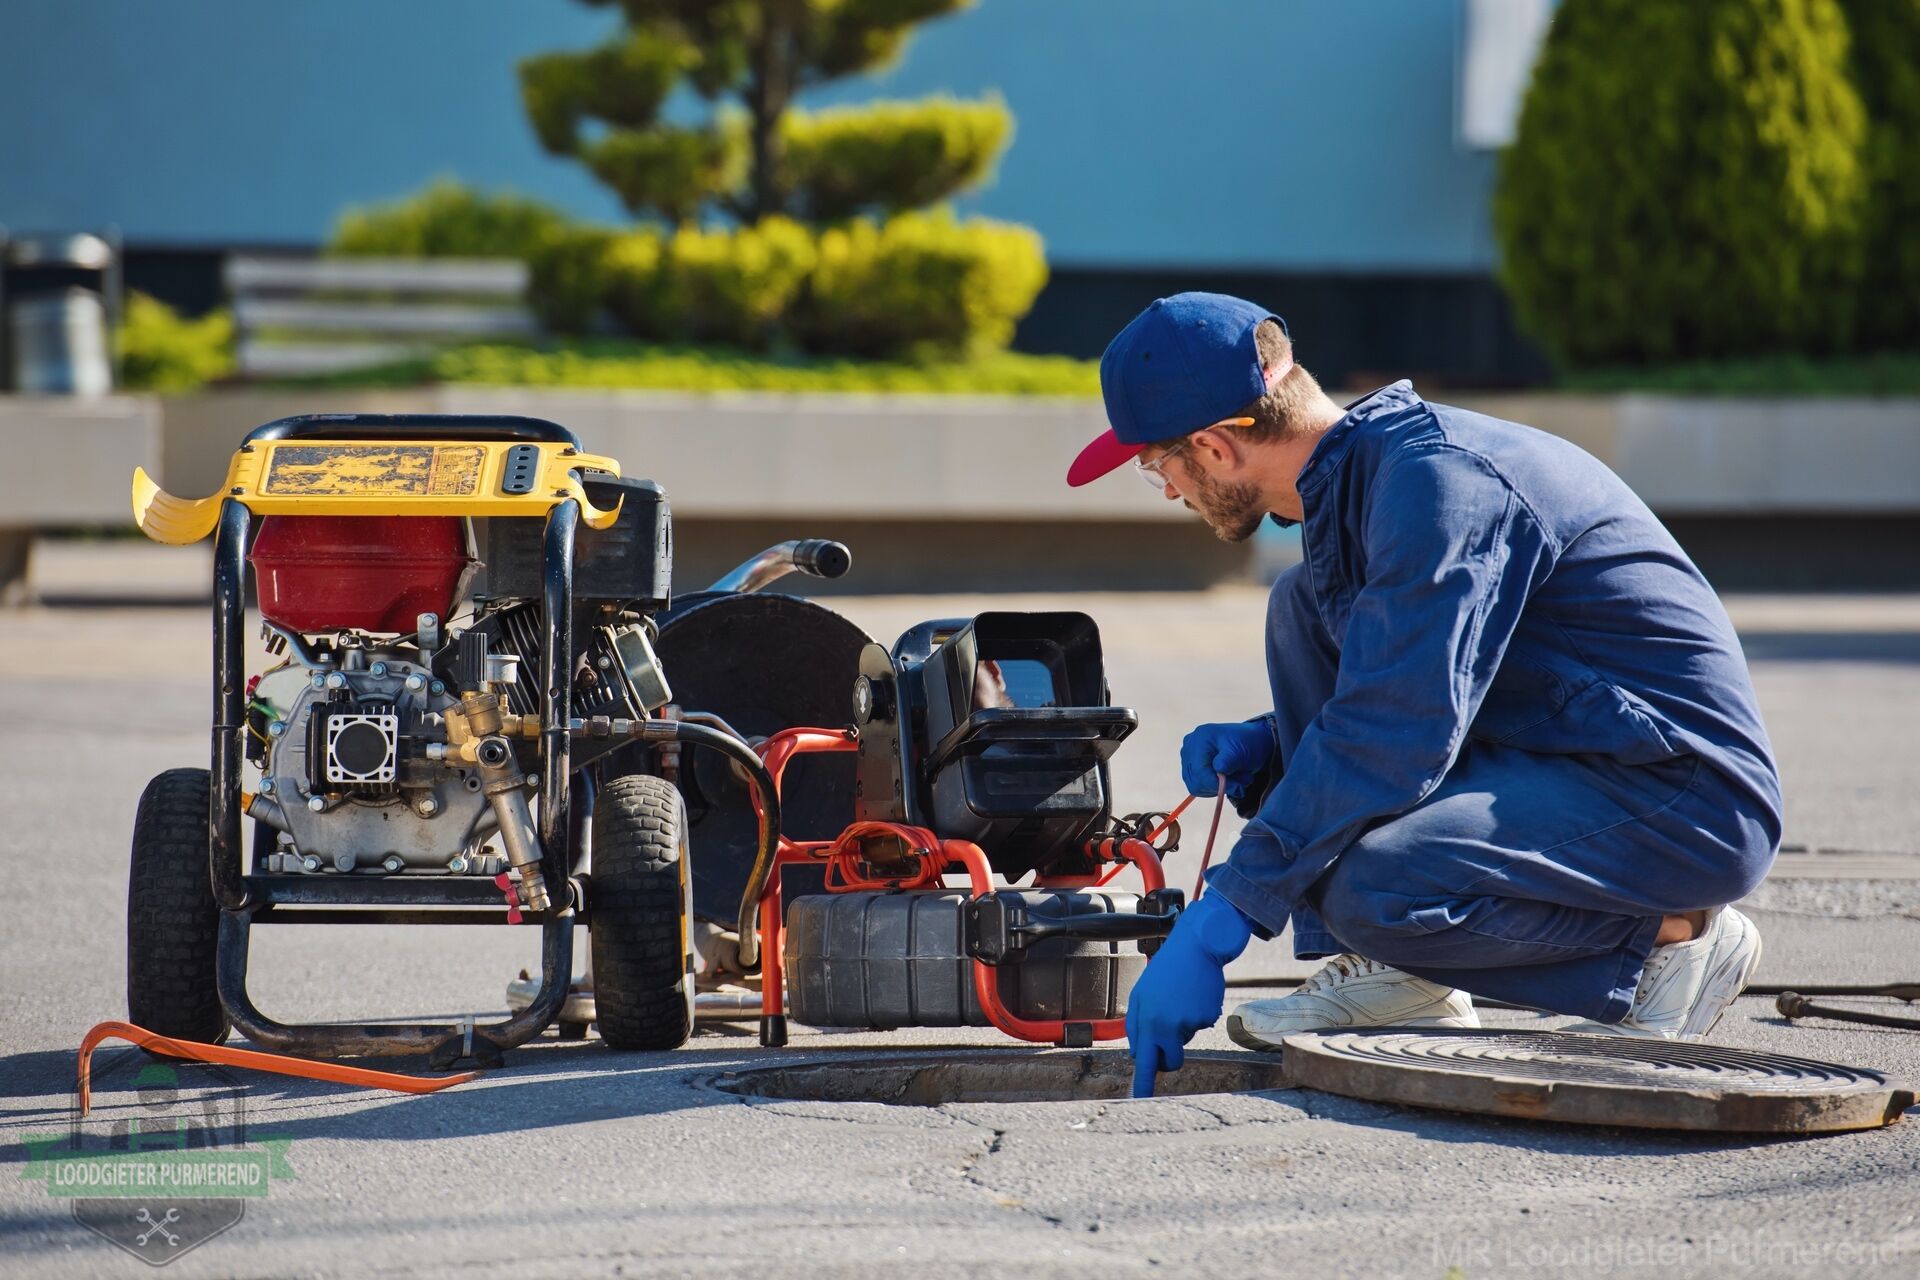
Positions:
(822, 557)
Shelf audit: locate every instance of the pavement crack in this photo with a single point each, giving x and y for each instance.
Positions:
(972, 1162)
(969, 1172)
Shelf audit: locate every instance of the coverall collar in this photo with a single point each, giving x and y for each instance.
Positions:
(1333, 446)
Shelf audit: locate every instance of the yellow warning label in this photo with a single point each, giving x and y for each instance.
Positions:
(339, 470)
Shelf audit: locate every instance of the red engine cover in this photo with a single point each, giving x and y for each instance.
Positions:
(360, 573)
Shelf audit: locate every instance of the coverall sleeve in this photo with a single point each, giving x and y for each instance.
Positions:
(1246, 800)
(1451, 555)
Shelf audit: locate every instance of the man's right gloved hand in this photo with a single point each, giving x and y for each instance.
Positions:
(1239, 750)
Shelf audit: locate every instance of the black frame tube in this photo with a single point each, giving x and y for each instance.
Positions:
(350, 1039)
(229, 702)
(426, 426)
(556, 676)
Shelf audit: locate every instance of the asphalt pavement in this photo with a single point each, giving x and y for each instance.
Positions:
(573, 1160)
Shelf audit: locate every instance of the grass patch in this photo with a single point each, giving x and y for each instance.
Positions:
(624, 365)
(1885, 374)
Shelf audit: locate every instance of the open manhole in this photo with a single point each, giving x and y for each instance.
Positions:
(1534, 1075)
(998, 1077)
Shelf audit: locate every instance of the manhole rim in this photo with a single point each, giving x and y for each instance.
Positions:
(723, 1080)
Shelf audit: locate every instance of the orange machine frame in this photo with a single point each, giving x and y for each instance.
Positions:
(932, 859)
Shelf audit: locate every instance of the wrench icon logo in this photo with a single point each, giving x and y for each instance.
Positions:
(158, 1226)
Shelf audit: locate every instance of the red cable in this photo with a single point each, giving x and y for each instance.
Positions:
(1219, 803)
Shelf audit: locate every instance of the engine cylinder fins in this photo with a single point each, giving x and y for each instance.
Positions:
(360, 747)
(1582, 1078)
(762, 663)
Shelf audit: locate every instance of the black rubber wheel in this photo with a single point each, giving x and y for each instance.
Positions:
(570, 1030)
(640, 913)
(173, 922)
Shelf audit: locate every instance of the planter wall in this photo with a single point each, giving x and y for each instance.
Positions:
(959, 493)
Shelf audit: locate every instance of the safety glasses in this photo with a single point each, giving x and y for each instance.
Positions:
(1150, 471)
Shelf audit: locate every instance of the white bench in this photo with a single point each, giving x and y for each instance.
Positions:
(323, 315)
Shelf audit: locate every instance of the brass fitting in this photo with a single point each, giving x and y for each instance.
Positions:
(477, 716)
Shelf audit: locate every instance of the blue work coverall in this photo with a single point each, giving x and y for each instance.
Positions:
(1512, 725)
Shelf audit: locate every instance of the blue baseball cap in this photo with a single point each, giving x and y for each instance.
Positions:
(1184, 363)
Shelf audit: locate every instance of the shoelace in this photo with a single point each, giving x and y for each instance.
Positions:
(1345, 966)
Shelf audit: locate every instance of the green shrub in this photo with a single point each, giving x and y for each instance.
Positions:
(672, 170)
(1886, 71)
(890, 155)
(623, 364)
(917, 280)
(920, 280)
(162, 351)
(729, 286)
(734, 287)
(568, 278)
(1686, 182)
(636, 284)
(623, 81)
(446, 219)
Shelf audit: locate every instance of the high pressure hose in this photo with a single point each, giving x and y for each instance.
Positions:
(768, 836)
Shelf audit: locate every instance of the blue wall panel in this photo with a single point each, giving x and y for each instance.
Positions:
(1270, 134)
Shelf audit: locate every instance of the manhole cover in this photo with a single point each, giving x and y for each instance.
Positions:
(1595, 1079)
(1037, 1077)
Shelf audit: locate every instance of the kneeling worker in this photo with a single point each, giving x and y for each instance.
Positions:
(1514, 750)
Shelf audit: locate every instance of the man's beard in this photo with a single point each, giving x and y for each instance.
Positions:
(1232, 511)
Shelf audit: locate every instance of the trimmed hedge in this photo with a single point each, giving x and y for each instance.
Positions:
(920, 279)
(727, 287)
(1886, 71)
(567, 278)
(447, 219)
(616, 363)
(890, 155)
(1686, 182)
(916, 281)
(673, 170)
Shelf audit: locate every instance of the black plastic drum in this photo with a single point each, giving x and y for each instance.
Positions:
(899, 959)
(762, 663)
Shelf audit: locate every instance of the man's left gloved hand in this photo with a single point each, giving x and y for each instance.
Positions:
(1239, 751)
(1184, 987)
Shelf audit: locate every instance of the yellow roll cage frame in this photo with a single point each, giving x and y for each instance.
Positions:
(381, 478)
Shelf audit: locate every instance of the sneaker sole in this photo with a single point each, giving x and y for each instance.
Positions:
(1238, 1033)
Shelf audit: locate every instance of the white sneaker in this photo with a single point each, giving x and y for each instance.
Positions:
(1686, 986)
(1351, 991)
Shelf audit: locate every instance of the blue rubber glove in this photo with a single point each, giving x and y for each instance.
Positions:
(1240, 751)
(1183, 988)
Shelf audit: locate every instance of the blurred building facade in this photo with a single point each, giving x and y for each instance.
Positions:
(1332, 160)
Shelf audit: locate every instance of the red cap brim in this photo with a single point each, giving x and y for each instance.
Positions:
(1103, 455)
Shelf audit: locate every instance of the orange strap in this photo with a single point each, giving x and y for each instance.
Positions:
(195, 1051)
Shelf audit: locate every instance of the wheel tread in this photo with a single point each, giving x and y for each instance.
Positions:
(642, 974)
(173, 921)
